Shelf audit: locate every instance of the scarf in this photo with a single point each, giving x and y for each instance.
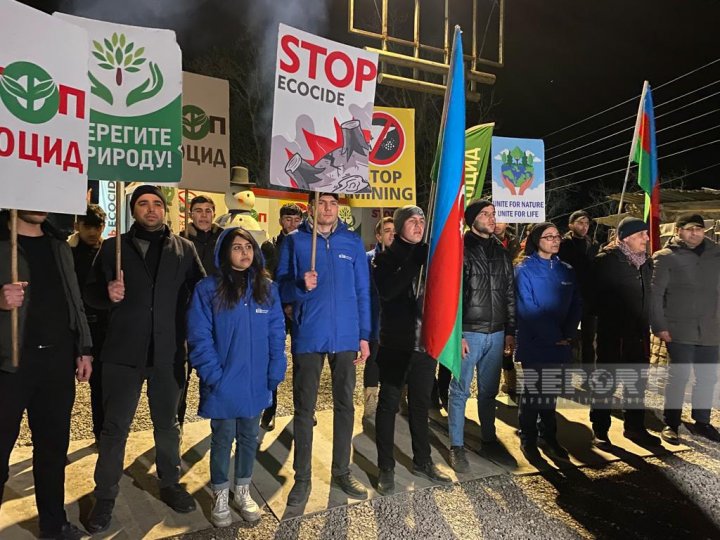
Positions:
(634, 258)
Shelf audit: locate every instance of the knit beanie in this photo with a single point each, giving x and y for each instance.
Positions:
(629, 226)
(146, 189)
(577, 214)
(404, 213)
(533, 240)
(473, 209)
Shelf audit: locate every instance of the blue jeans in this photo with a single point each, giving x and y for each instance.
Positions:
(703, 360)
(242, 430)
(485, 357)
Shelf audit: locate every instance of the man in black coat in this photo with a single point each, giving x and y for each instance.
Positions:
(488, 325)
(145, 341)
(202, 232)
(622, 275)
(578, 250)
(55, 347)
(85, 244)
(401, 358)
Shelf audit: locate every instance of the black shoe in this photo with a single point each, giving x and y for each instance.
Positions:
(267, 422)
(100, 516)
(641, 437)
(299, 493)
(349, 484)
(706, 430)
(531, 453)
(552, 447)
(430, 471)
(458, 459)
(67, 532)
(386, 482)
(670, 435)
(601, 440)
(177, 498)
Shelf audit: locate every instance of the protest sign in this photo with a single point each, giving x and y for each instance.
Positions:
(135, 108)
(323, 104)
(43, 111)
(518, 176)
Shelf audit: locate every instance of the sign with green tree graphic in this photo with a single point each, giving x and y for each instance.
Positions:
(206, 133)
(135, 77)
(44, 94)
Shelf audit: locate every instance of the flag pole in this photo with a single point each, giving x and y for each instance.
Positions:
(14, 279)
(119, 201)
(638, 120)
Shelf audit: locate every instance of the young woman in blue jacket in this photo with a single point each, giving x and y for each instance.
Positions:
(548, 311)
(236, 341)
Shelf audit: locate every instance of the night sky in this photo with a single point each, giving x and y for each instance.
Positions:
(564, 60)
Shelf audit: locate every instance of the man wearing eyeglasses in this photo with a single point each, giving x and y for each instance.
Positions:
(202, 232)
(685, 314)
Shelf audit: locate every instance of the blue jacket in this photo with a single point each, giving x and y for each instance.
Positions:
(374, 298)
(335, 316)
(239, 353)
(548, 309)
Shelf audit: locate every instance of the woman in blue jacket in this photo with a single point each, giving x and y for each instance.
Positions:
(548, 312)
(236, 341)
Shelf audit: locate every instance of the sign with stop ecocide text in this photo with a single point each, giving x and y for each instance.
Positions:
(43, 112)
(322, 114)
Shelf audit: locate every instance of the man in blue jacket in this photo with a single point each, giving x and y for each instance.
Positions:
(330, 316)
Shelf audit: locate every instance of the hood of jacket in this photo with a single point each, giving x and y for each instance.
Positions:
(218, 246)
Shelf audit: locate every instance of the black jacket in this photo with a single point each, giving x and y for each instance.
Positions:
(396, 272)
(204, 245)
(579, 253)
(271, 251)
(153, 311)
(83, 257)
(621, 294)
(64, 260)
(488, 287)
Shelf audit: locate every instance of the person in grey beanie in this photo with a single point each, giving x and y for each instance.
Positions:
(401, 357)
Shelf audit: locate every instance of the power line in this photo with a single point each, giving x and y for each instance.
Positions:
(609, 201)
(631, 99)
(687, 105)
(621, 170)
(633, 116)
(618, 145)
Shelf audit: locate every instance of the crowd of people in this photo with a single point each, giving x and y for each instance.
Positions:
(161, 318)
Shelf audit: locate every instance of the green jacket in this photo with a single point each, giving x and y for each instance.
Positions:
(64, 258)
(685, 297)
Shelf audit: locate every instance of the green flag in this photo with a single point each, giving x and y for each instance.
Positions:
(478, 140)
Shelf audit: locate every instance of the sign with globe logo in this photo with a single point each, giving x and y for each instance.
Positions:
(518, 174)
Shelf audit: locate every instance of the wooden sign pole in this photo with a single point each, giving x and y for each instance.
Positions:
(119, 202)
(14, 279)
(314, 232)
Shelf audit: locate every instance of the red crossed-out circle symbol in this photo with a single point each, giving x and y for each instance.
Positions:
(390, 144)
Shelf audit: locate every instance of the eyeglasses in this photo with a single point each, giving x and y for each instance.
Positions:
(551, 238)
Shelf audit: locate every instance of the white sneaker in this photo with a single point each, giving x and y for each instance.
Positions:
(220, 516)
(249, 510)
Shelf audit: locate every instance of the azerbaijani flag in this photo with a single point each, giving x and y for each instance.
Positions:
(644, 153)
(442, 316)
